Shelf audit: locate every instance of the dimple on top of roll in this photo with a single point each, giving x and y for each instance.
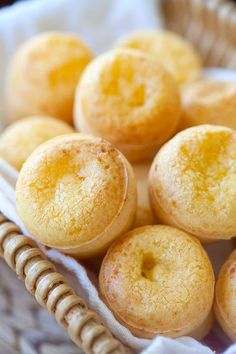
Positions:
(193, 182)
(128, 99)
(158, 280)
(71, 189)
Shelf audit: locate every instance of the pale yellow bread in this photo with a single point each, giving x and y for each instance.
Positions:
(192, 182)
(125, 97)
(43, 74)
(21, 138)
(225, 297)
(158, 280)
(76, 193)
(144, 214)
(209, 102)
(174, 52)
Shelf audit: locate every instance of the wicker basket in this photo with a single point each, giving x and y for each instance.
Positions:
(211, 26)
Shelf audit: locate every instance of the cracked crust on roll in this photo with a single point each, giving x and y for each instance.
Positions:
(158, 280)
(76, 193)
(192, 182)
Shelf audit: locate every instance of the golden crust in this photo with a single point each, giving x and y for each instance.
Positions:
(225, 295)
(174, 52)
(43, 75)
(158, 280)
(21, 138)
(209, 102)
(76, 193)
(128, 99)
(144, 214)
(192, 182)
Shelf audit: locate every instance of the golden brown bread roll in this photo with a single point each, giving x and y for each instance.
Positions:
(192, 182)
(158, 280)
(43, 74)
(209, 102)
(174, 52)
(76, 193)
(125, 97)
(21, 138)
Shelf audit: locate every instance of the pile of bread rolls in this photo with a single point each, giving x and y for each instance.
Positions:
(129, 157)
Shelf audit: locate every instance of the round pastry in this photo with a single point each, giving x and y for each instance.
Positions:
(192, 182)
(125, 97)
(43, 75)
(225, 306)
(144, 214)
(174, 52)
(158, 280)
(209, 102)
(76, 193)
(21, 138)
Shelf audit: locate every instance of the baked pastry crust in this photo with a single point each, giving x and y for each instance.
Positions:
(144, 214)
(225, 308)
(209, 102)
(76, 193)
(21, 138)
(125, 97)
(171, 50)
(158, 280)
(43, 75)
(192, 182)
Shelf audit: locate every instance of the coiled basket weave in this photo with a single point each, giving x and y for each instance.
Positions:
(211, 26)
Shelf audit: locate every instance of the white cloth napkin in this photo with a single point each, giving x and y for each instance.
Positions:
(99, 23)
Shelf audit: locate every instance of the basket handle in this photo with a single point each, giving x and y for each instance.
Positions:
(52, 292)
